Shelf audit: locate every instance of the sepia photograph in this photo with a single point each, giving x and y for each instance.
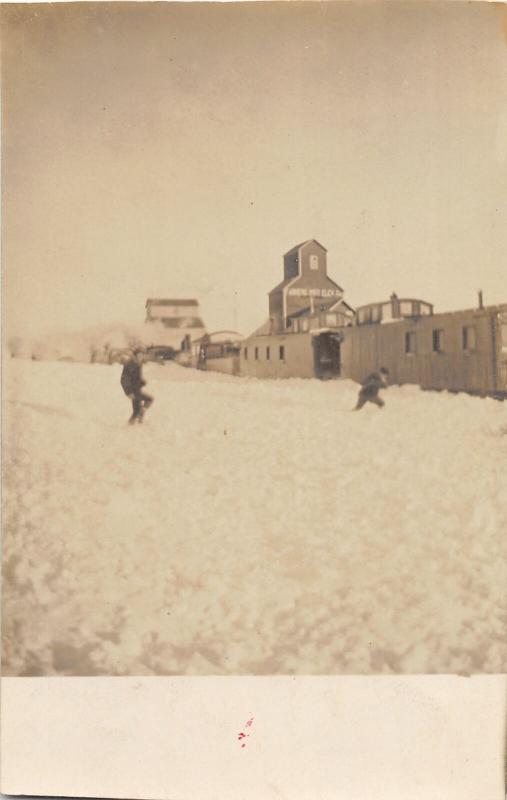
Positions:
(254, 339)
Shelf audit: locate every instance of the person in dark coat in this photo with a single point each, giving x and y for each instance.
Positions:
(132, 383)
(370, 389)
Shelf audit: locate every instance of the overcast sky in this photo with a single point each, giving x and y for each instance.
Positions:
(158, 149)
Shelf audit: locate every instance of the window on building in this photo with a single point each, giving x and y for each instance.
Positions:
(331, 319)
(295, 326)
(387, 312)
(304, 325)
(410, 342)
(376, 313)
(438, 341)
(267, 353)
(245, 352)
(469, 337)
(281, 352)
(425, 309)
(503, 334)
(256, 353)
(314, 262)
(406, 307)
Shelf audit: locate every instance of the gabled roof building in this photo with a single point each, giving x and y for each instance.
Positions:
(307, 313)
(170, 320)
(306, 284)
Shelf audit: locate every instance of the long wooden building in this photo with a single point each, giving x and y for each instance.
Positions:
(461, 351)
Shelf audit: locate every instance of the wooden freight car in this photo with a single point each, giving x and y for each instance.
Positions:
(216, 352)
(461, 351)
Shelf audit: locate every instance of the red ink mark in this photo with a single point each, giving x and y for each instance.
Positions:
(244, 735)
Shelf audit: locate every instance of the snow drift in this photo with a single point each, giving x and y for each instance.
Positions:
(249, 527)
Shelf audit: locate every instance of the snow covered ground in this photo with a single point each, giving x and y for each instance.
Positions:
(249, 527)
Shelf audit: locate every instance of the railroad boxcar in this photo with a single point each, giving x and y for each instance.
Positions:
(459, 351)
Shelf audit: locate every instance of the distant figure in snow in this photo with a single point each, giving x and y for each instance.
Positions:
(370, 389)
(132, 383)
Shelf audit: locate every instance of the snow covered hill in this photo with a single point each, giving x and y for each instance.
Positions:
(249, 527)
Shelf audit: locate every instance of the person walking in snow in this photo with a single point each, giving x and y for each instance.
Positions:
(132, 383)
(370, 389)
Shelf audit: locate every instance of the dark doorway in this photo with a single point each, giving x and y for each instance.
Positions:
(327, 355)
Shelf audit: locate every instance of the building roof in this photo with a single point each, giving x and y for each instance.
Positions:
(341, 302)
(297, 246)
(336, 284)
(397, 299)
(225, 336)
(308, 311)
(499, 307)
(164, 302)
(200, 339)
(283, 284)
(263, 330)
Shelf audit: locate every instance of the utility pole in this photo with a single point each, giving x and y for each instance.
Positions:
(234, 311)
